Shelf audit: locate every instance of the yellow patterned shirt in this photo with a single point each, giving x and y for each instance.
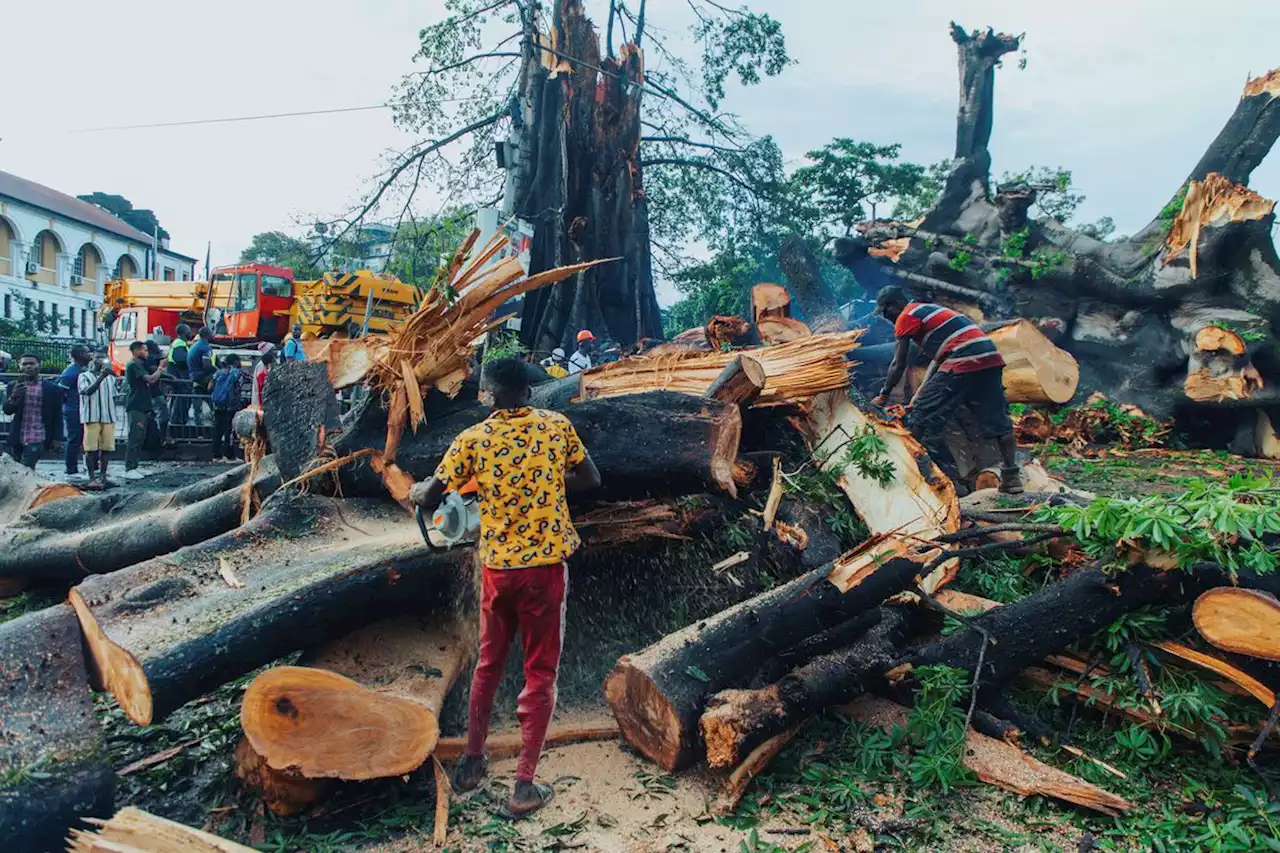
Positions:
(519, 458)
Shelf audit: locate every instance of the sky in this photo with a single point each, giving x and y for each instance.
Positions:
(1125, 94)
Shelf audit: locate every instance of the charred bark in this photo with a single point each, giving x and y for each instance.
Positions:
(582, 187)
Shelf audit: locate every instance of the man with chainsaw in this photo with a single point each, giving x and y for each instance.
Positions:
(965, 369)
(523, 460)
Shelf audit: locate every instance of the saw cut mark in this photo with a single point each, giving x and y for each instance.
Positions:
(1237, 620)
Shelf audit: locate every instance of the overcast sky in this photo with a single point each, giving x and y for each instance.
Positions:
(1125, 93)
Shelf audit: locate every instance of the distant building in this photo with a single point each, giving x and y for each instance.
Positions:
(57, 252)
(371, 247)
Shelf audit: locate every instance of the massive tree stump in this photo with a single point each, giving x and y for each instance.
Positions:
(1135, 311)
(309, 569)
(53, 755)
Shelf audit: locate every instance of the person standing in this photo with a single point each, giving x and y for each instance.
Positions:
(260, 372)
(137, 405)
(965, 369)
(180, 386)
(581, 358)
(200, 367)
(293, 345)
(523, 460)
(68, 386)
(226, 398)
(36, 407)
(97, 392)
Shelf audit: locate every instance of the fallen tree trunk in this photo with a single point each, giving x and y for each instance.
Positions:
(310, 569)
(658, 694)
(365, 706)
(1035, 371)
(93, 534)
(656, 444)
(135, 831)
(53, 755)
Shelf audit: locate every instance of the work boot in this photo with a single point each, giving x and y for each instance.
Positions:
(469, 773)
(1011, 481)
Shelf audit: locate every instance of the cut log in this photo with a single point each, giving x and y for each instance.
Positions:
(657, 444)
(737, 722)
(93, 534)
(740, 383)
(741, 777)
(1035, 370)
(1219, 368)
(21, 490)
(724, 332)
(313, 568)
(658, 694)
(919, 503)
(1243, 621)
(782, 330)
(284, 792)
(794, 372)
(53, 755)
(363, 707)
(998, 763)
(769, 300)
(134, 831)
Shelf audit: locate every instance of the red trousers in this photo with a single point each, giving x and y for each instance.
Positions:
(532, 601)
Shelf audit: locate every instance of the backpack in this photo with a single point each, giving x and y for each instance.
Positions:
(226, 388)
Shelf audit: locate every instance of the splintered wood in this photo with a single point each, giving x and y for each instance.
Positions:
(1219, 367)
(915, 507)
(793, 372)
(1217, 200)
(433, 347)
(134, 831)
(998, 763)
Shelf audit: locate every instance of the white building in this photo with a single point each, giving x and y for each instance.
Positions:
(57, 252)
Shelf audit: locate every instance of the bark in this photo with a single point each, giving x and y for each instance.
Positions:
(654, 444)
(52, 750)
(583, 189)
(813, 300)
(659, 693)
(312, 568)
(298, 409)
(1129, 311)
(94, 534)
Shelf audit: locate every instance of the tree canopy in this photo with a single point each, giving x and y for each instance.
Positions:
(117, 205)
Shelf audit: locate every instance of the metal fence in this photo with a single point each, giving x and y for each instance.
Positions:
(53, 355)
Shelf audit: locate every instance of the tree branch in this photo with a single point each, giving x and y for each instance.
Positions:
(680, 140)
(706, 119)
(701, 164)
(640, 24)
(608, 39)
(470, 59)
(411, 160)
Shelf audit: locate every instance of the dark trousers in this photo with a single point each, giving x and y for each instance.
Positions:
(75, 440)
(137, 436)
(936, 406)
(180, 402)
(31, 454)
(224, 441)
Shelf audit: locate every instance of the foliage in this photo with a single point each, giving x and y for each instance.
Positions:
(868, 453)
(1055, 196)
(742, 43)
(935, 727)
(820, 487)
(999, 578)
(503, 345)
(121, 208)
(913, 205)
(1046, 259)
(420, 248)
(281, 250)
(846, 176)
(1170, 211)
(1101, 229)
(1224, 523)
(1015, 245)
(960, 262)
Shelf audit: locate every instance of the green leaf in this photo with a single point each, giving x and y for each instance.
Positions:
(694, 672)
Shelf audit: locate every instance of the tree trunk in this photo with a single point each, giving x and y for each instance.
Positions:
(1130, 311)
(1243, 621)
(739, 383)
(658, 694)
(813, 301)
(94, 534)
(659, 444)
(1035, 371)
(583, 189)
(311, 569)
(365, 706)
(53, 755)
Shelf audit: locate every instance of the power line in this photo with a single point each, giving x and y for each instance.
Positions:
(250, 118)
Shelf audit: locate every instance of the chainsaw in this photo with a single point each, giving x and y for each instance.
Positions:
(456, 521)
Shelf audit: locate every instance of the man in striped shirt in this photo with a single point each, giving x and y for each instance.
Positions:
(97, 389)
(965, 369)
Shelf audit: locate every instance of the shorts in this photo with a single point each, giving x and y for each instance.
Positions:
(99, 437)
(981, 392)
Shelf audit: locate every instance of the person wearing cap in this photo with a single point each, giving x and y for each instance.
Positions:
(581, 358)
(965, 369)
(554, 364)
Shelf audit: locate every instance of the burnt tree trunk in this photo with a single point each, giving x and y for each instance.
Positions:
(1131, 310)
(579, 183)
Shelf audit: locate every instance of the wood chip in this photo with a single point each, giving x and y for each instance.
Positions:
(158, 757)
(224, 569)
(729, 562)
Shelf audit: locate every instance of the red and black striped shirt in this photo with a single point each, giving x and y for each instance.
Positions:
(948, 337)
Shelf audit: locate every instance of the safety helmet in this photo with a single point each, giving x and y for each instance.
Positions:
(585, 335)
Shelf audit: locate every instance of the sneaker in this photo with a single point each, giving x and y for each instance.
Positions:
(132, 474)
(1011, 481)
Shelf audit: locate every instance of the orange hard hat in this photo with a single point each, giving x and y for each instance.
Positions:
(585, 335)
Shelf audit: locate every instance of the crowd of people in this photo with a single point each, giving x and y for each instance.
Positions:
(77, 413)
